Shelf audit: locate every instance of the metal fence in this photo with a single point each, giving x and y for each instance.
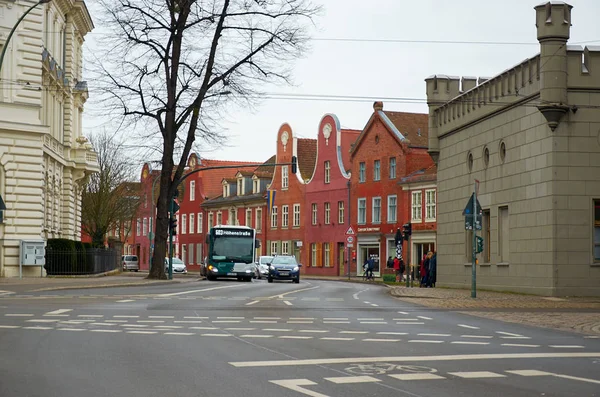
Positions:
(89, 261)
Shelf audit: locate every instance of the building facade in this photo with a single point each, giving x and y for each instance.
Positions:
(44, 158)
(286, 229)
(326, 217)
(391, 146)
(531, 136)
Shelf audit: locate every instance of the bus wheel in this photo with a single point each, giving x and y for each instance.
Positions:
(210, 278)
(248, 279)
(270, 280)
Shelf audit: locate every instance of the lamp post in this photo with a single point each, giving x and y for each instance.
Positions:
(12, 31)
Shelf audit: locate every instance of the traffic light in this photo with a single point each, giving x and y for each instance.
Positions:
(173, 225)
(409, 228)
(479, 248)
(294, 164)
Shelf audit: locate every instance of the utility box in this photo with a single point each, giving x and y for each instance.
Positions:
(33, 253)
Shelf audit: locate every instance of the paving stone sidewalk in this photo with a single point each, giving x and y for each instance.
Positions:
(577, 314)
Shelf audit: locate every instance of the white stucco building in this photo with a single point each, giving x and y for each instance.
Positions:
(43, 155)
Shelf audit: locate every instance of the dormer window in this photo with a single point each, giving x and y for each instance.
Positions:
(240, 187)
(255, 186)
(226, 190)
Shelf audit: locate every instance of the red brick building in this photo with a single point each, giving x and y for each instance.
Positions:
(146, 214)
(391, 146)
(243, 202)
(421, 185)
(326, 218)
(286, 229)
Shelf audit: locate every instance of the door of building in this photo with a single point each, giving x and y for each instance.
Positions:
(367, 252)
(341, 259)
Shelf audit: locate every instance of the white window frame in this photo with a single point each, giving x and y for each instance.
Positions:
(145, 227)
(255, 186)
(259, 220)
(211, 221)
(315, 213)
(326, 254)
(416, 206)
(361, 205)
(219, 218)
(285, 177)
(374, 218)
(327, 210)
(225, 190)
(313, 255)
(190, 254)
(341, 214)
(430, 205)
(362, 172)
(150, 226)
(192, 224)
(274, 219)
(377, 170)
(274, 247)
(200, 219)
(327, 171)
(249, 219)
(240, 187)
(285, 248)
(192, 190)
(285, 215)
(392, 167)
(183, 223)
(177, 227)
(296, 215)
(232, 220)
(138, 227)
(393, 211)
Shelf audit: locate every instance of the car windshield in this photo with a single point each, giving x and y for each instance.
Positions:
(284, 260)
(176, 261)
(265, 259)
(226, 249)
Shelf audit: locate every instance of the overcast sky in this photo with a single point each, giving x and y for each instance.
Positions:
(375, 69)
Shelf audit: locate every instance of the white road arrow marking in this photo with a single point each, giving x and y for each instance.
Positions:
(296, 385)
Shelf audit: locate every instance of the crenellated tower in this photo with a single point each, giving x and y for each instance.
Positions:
(440, 89)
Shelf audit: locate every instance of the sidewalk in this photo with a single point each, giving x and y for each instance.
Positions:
(577, 314)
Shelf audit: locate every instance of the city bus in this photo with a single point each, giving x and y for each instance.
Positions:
(230, 252)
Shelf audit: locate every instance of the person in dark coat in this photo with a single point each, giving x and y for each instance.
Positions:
(424, 271)
(390, 263)
(432, 276)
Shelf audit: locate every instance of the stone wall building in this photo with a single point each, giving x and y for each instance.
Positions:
(531, 136)
(43, 155)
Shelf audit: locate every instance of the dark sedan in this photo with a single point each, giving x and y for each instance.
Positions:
(284, 267)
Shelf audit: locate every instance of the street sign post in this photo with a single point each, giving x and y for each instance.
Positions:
(350, 231)
(473, 221)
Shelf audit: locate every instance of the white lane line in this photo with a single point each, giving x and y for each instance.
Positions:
(291, 292)
(467, 326)
(142, 332)
(204, 328)
(10, 326)
(371, 319)
(106, 330)
(19, 315)
(299, 318)
(567, 346)
(405, 313)
(424, 318)
(236, 329)
(58, 312)
(416, 376)
(591, 337)
(405, 319)
(262, 322)
(91, 315)
(267, 318)
(334, 299)
(152, 321)
(126, 316)
(52, 320)
(418, 358)
(127, 300)
(404, 323)
(469, 343)
(198, 290)
(477, 336)
(288, 303)
(518, 345)
(433, 334)
(507, 333)
(37, 327)
(296, 385)
(374, 322)
(172, 317)
(134, 325)
(226, 321)
(352, 379)
(256, 336)
(515, 337)
(297, 322)
(71, 329)
(179, 333)
(314, 331)
(366, 302)
(187, 317)
(338, 339)
(425, 341)
(529, 372)
(277, 330)
(374, 304)
(215, 335)
(392, 333)
(335, 319)
(354, 332)
(116, 321)
(188, 322)
(477, 374)
(252, 303)
(311, 299)
(335, 322)
(104, 324)
(161, 327)
(294, 337)
(230, 318)
(380, 340)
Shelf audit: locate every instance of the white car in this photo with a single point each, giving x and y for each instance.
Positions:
(178, 266)
(263, 265)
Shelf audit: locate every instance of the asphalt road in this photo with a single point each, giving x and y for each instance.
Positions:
(316, 338)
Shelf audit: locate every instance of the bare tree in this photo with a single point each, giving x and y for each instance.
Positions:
(172, 65)
(108, 199)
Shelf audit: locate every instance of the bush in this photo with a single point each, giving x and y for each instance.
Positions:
(389, 278)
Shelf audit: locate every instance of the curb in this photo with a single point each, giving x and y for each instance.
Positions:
(344, 280)
(91, 286)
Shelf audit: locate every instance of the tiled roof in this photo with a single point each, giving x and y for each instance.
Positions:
(266, 171)
(423, 175)
(218, 201)
(307, 156)
(413, 126)
(212, 179)
(246, 173)
(348, 139)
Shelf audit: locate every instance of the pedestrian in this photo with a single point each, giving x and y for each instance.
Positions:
(432, 270)
(390, 263)
(424, 270)
(396, 264)
(370, 267)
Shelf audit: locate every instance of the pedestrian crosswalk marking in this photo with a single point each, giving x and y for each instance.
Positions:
(352, 379)
(477, 374)
(528, 372)
(416, 376)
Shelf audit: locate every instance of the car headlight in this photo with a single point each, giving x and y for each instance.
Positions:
(296, 269)
(248, 271)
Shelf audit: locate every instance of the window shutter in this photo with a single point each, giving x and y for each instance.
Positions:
(268, 250)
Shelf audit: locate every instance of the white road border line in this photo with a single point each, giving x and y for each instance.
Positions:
(467, 326)
(198, 290)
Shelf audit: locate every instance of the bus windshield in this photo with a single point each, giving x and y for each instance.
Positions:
(237, 249)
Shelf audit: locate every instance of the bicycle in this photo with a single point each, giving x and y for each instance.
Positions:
(368, 275)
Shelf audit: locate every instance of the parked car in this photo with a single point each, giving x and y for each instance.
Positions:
(263, 266)
(130, 262)
(284, 267)
(178, 266)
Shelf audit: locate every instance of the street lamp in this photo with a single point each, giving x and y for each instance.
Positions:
(12, 31)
